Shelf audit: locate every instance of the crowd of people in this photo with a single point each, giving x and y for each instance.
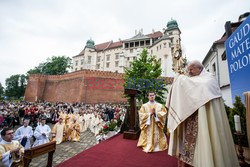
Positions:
(73, 118)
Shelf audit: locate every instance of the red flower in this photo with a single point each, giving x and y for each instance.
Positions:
(105, 127)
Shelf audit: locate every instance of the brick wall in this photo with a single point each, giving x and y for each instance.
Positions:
(86, 86)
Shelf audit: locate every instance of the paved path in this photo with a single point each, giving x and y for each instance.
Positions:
(66, 150)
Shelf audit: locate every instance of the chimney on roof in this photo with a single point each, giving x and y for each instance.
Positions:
(153, 31)
(135, 32)
(141, 30)
(243, 16)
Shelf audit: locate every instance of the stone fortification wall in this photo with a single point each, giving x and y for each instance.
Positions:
(86, 86)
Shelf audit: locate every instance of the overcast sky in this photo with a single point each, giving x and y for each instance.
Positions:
(33, 30)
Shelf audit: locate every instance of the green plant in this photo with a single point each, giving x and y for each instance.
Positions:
(144, 75)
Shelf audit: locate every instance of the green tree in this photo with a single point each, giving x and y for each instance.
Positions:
(239, 109)
(144, 75)
(56, 65)
(15, 86)
(1, 91)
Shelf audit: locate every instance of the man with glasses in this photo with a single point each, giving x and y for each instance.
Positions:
(11, 151)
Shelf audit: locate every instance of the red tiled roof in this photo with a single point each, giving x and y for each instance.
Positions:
(115, 44)
(108, 45)
(156, 34)
(111, 44)
(102, 46)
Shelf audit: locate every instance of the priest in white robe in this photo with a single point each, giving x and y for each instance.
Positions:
(85, 117)
(58, 131)
(200, 135)
(152, 117)
(24, 134)
(42, 133)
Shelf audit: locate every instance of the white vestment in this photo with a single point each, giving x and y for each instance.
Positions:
(58, 130)
(213, 144)
(40, 138)
(5, 155)
(24, 131)
(80, 121)
(84, 122)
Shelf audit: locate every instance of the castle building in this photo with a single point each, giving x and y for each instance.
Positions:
(116, 56)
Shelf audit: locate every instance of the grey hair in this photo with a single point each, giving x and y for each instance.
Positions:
(196, 63)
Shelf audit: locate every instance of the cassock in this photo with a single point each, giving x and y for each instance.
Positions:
(74, 132)
(6, 158)
(80, 121)
(24, 131)
(199, 129)
(58, 132)
(40, 138)
(95, 124)
(85, 117)
(152, 137)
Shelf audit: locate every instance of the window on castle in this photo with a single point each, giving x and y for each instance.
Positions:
(98, 66)
(108, 57)
(89, 59)
(214, 68)
(117, 56)
(107, 65)
(136, 44)
(76, 62)
(141, 43)
(82, 62)
(98, 58)
(131, 50)
(164, 45)
(116, 63)
(126, 45)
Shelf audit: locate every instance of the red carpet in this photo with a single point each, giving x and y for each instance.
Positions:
(119, 152)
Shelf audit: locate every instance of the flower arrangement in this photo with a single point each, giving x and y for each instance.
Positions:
(104, 130)
(109, 129)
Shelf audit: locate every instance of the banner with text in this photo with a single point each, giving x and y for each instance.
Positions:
(238, 59)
